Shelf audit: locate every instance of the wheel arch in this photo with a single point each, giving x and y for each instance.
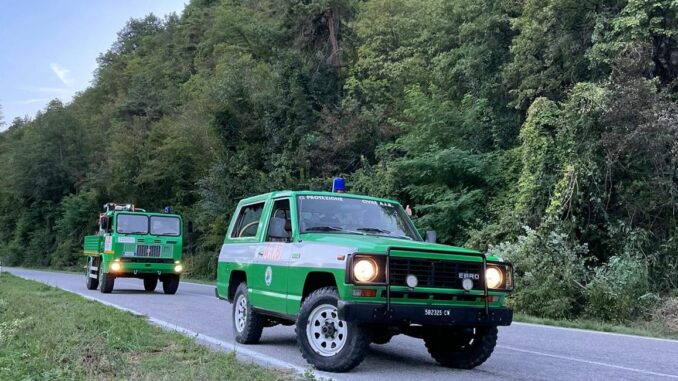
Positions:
(234, 280)
(317, 279)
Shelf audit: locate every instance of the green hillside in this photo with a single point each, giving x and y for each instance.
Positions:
(545, 130)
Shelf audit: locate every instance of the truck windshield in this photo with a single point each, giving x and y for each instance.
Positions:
(353, 215)
(165, 226)
(132, 224)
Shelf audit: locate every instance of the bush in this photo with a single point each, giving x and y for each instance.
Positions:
(201, 265)
(619, 290)
(666, 312)
(550, 273)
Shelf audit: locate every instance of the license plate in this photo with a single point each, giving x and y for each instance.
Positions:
(436, 312)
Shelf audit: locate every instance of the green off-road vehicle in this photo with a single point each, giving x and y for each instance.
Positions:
(134, 244)
(352, 270)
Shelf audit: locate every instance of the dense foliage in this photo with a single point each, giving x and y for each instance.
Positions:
(544, 130)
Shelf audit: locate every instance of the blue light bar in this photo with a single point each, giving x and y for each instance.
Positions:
(338, 185)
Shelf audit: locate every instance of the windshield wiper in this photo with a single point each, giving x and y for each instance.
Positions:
(373, 230)
(323, 229)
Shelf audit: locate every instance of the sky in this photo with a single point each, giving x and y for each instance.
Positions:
(48, 48)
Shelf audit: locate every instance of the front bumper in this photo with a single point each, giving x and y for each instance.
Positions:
(425, 315)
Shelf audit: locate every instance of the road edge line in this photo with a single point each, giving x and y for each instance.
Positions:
(584, 330)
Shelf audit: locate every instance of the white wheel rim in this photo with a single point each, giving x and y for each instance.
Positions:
(240, 313)
(325, 332)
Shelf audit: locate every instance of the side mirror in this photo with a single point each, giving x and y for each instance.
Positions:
(190, 227)
(276, 228)
(431, 236)
(104, 223)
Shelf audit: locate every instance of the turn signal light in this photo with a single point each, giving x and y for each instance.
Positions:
(366, 293)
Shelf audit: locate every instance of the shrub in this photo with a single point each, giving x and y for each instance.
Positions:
(550, 272)
(619, 290)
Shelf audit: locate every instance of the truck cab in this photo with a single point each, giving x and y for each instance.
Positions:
(132, 243)
(350, 270)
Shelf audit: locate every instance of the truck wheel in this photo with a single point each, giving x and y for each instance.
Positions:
(170, 284)
(150, 283)
(107, 282)
(92, 274)
(247, 323)
(462, 348)
(326, 342)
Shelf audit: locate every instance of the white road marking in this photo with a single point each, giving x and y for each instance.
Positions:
(649, 372)
(255, 356)
(597, 332)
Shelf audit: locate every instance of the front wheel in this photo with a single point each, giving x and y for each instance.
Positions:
(170, 284)
(461, 348)
(107, 282)
(325, 341)
(150, 283)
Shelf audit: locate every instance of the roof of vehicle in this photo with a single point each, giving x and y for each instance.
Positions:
(289, 193)
(143, 213)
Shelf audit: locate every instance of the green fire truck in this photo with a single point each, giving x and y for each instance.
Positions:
(132, 243)
(350, 270)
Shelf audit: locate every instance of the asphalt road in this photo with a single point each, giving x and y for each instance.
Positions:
(524, 351)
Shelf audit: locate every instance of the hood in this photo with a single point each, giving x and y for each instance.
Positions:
(374, 244)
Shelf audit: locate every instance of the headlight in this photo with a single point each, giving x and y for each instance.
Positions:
(493, 277)
(178, 268)
(115, 266)
(365, 270)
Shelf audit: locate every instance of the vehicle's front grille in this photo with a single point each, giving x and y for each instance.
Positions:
(433, 273)
(148, 251)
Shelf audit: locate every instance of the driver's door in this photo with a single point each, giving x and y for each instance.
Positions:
(270, 270)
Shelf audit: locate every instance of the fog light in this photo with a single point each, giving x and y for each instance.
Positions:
(467, 284)
(115, 266)
(411, 281)
(178, 268)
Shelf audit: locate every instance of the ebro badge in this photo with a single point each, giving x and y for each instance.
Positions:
(268, 276)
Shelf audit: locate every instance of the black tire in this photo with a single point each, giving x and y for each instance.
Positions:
(170, 284)
(150, 283)
(248, 329)
(107, 282)
(92, 283)
(357, 340)
(462, 348)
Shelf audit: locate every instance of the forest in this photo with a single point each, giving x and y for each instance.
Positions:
(542, 130)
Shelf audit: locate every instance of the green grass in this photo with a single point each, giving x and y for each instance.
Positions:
(639, 328)
(49, 334)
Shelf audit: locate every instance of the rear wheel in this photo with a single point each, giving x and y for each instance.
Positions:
(325, 341)
(107, 282)
(247, 323)
(92, 273)
(170, 284)
(462, 348)
(150, 283)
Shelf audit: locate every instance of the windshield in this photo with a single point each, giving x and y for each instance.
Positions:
(132, 224)
(353, 215)
(165, 226)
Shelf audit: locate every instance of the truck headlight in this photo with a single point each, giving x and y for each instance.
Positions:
(178, 268)
(115, 266)
(365, 270)
(493, 277)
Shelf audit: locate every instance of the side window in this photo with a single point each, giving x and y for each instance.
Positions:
(280, 224)
(248, 221)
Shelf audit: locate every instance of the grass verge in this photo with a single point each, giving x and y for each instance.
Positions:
(49, 334)
(639, 328)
